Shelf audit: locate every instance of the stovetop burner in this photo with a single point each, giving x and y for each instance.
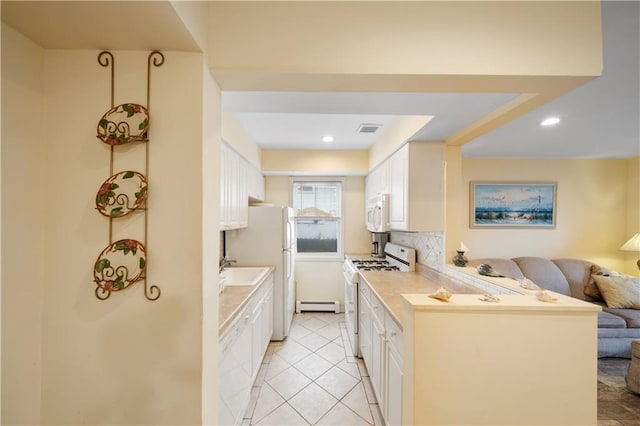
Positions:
(398, 258)
(374, 265)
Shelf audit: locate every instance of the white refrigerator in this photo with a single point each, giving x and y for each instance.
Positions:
(270, 240)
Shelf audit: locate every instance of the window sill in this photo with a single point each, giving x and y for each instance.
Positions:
(312, 258)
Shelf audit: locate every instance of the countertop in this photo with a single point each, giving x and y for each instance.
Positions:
(233, 299)
(509, 302)
(390, 286)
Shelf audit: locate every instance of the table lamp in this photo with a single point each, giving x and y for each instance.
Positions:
(632, 245)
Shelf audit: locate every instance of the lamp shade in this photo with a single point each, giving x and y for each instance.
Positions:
(633, 244)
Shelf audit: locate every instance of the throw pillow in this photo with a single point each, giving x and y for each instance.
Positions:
(591, 289)
(622, 291)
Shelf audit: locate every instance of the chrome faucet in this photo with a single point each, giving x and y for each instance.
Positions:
(224, 262)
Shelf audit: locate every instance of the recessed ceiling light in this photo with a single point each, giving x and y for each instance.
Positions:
(550, 121)
(327, 139)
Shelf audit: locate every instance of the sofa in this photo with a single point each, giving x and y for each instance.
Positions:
(616, 327)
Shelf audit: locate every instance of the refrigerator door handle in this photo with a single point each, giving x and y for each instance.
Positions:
(289, 264)
(289, 235)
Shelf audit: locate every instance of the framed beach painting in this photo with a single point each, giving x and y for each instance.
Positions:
(512, 205)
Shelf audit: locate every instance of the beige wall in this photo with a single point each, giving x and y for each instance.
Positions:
(211, 129)
(322, 280)
(632, 212)
(294, 38)
(315, 162)
(125, 360)
(396, 134)
(235, 135)
(24, 208)
(592, 208)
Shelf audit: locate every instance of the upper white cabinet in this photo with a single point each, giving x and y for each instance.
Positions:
(239, 181)
(377, 182)
(255, 183)
(414, 177)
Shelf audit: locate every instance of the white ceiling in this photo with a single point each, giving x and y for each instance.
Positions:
(599, 119)
(300, 120)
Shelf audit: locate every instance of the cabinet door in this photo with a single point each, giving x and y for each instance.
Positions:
(257, 345)
(242, 198)
(393, 390)
(234, 383)
(398, 188)
(224, 188)
(383, 178)
(267, 324)
(377, 362)
(255, 183)
(364, 329)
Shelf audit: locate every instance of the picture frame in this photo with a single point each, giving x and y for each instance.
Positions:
(512, 205)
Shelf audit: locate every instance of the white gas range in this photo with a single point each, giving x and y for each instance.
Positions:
(398, 258)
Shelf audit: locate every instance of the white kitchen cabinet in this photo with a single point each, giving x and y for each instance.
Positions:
(414, 178)
(393, 376)
(262, 324)
(393, 371)
(376, 372)
(240, 217)
(234, 382)
(364, 325)
(377, 182)
(241, 351)
(239, 181)
(381, 347)
(255, 183)
(398, 184)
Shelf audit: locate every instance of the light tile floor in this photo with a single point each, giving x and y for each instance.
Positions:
(312, 378)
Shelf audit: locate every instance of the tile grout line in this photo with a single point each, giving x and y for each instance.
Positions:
(347, 357)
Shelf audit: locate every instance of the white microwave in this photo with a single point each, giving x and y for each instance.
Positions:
(378, 213)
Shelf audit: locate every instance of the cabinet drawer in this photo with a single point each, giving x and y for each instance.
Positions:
(394, 334)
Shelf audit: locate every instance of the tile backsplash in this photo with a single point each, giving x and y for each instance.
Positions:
(429, 247)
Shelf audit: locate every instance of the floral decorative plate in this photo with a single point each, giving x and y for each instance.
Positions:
(121, 194)
(119, 265)
(123, 124)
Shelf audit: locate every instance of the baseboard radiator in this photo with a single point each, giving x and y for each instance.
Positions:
(317, 306)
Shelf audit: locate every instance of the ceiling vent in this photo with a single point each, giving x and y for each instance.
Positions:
(368, 128)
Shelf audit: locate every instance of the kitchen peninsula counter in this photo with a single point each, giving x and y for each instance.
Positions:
(389, 286)
(233, 299)
(513, 362)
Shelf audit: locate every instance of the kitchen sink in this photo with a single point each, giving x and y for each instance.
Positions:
(239, 275)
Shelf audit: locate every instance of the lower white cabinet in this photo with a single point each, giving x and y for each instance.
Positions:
(393, 372)
(376, 373)
(241, 350)
(261, 327)
(234, 383)
(381, 346)
(364, 327)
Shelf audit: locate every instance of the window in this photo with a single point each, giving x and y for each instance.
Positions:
(317, 205)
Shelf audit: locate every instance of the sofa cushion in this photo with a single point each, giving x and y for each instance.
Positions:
(621, 291)
(506, 267)
(578, 273)
(630, 316)
(609, 320)
(544, 272)
(591, 289)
